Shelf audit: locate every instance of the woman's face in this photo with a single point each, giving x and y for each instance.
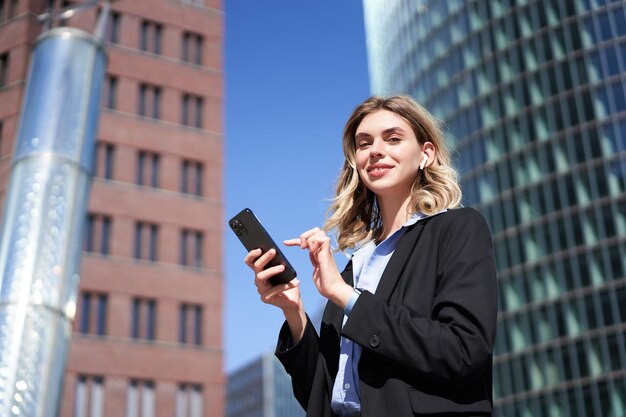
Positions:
(387, 154)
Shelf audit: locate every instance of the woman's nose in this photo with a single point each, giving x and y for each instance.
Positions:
(377, 148)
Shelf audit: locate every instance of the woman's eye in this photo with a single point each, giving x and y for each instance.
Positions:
(362, 144)
(394, 139)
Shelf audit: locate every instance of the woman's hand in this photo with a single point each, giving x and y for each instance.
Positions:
(284, 296)
(326, 276)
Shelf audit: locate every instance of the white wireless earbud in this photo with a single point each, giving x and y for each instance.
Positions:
(424, 160)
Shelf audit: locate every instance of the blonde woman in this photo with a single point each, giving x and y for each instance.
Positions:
(410, 323)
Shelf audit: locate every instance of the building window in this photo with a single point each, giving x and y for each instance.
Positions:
(104, 160)
(65, 6)
(112, 34)
(190, 322)
(189, 402)
(143, 319)
(4, 69)
(148, 169)
(191, 177)
(93, 313)
(191, 248)
(192, 48)
(11, 12)
(149, 101)
(13, 8)
(150, 37)
(97, 234)
(146, 237)
(110, 93)
(191, 110)
(140, 400)
(89, 396)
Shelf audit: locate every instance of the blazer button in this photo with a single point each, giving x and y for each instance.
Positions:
(374, 341)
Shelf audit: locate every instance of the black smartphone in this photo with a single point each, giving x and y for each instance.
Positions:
(253, 235)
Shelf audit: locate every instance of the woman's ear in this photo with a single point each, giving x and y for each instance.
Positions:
(428, 155)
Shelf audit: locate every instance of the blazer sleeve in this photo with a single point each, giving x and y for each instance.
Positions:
(299, 360)
(454, 344)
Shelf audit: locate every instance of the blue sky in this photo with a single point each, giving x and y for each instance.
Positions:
(294, 72)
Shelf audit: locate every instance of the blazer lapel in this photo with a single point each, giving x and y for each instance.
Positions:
(334, 315)
(330, 331)
(398, 260)
(347, 273)
(349, 279)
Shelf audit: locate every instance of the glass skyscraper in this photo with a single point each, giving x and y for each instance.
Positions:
(533, 95)
(261, 388)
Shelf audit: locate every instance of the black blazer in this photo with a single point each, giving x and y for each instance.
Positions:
(427, 334)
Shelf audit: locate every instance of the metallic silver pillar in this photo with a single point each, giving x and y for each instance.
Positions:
(43, 218)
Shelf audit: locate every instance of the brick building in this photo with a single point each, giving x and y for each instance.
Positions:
(147, 335)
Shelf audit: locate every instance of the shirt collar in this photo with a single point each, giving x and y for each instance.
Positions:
(417, 216)
(414, 218)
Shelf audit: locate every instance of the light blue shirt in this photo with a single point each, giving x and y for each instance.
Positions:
(368, 264)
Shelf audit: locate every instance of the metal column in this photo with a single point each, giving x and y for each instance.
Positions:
(43, 218)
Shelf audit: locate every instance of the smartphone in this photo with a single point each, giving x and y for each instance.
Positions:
(253, 235)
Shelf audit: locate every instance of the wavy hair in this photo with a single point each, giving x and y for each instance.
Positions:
(354, 214)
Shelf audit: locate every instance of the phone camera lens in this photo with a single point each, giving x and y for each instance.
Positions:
(238, 228)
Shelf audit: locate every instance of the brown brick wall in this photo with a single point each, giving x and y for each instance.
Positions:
(116, 357)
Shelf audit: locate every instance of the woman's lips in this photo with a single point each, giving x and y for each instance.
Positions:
(378, 171)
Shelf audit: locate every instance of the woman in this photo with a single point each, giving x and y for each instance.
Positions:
(410, 323)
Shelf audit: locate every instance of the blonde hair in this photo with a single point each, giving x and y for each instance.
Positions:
(353, 214)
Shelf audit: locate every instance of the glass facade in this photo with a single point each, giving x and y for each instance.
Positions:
(533, 96)
(261, 388)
